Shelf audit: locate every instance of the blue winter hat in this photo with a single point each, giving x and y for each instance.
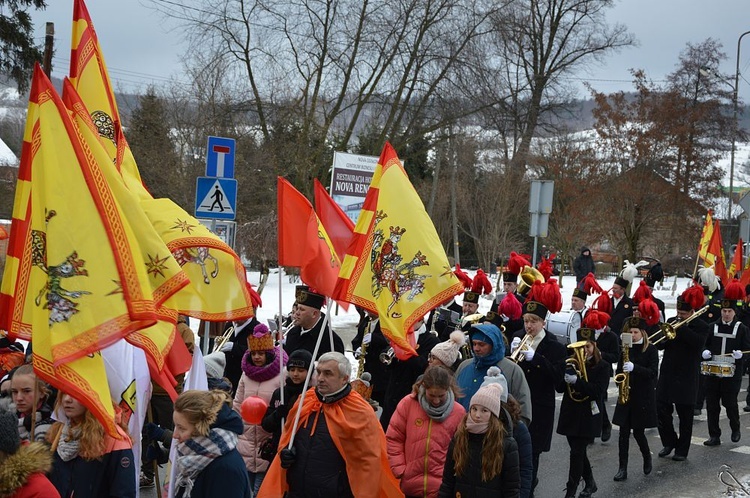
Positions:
(490, 333)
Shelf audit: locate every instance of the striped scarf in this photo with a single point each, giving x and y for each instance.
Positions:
(197, 453)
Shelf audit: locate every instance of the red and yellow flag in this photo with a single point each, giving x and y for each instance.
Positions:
(303, 241)
(736, 265)
(338, 225)
(716, 251)
(217, 289)
(395, 264)
(77, 260)
(71, 283)
(706, 234)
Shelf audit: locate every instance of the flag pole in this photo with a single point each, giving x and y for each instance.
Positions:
(280, 334)
(301, 398)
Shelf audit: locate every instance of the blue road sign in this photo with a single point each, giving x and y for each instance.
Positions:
(215, 198)
(220, 157)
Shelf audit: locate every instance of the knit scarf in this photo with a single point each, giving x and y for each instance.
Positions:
(197, 453)
(436, 413)
(267, 371)
(476, 427)
(67, 447)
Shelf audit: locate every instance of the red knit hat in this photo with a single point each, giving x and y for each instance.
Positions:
(545, 267)
(734, 291)
(543, 297)
(516, 262)
(692, 298)
(603, 303)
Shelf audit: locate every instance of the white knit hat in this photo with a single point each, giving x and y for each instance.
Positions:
(489, 397)
(495, 376)
(447, 352)
(215, 363)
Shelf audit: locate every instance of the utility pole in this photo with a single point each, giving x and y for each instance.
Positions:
(49, 44)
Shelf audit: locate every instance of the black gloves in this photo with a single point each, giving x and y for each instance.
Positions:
(287, 457)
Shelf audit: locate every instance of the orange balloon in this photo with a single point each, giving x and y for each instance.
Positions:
(253, 409)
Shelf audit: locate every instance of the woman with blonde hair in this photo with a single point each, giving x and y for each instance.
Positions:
(206, 430)
(30, 395)
(482, 459)
(420, 432)
(88, 462)
(639, 413)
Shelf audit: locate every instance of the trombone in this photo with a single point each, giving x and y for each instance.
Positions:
(228, 333)
(669, 331)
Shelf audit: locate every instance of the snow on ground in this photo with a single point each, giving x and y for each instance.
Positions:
(346, 320)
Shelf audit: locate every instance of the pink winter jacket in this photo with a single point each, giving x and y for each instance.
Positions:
(417, 446)
(253, 435)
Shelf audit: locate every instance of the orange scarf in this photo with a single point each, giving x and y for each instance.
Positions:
(357, 435)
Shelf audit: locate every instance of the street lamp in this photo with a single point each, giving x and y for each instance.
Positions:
(735, 111)
(736, 123)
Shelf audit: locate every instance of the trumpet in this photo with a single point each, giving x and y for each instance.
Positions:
(577, 361)
(228, 333)
(669, 331)
(525, 344)
(465, 349)
(386, 357)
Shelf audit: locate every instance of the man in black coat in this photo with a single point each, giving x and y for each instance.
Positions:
(583, 265)
(622, 305)
(403, 374)
(727, 339)
(371, 338)
(678, 377)
(543, 365)
(233, 367)
(308, 322)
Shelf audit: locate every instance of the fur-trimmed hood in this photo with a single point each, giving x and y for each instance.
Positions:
(16, 470)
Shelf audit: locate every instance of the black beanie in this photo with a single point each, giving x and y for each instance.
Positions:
(300, 358)
(9, 437)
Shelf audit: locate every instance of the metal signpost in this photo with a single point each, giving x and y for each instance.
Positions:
(216, 193)
(540, 206)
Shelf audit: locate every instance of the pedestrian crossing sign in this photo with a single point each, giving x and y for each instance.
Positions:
(215, 198)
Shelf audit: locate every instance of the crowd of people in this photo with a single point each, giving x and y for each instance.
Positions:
(469, 415)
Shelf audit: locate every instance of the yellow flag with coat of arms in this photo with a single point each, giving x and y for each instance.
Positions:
(395, 264)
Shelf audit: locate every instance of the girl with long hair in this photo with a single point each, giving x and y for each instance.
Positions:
(30, 395)
(206, 430)
(420, 432)
(580, 420)
(260, 377)
(482, 459)
(639, 412)
(88, 462)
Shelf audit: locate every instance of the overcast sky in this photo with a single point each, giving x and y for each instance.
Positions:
(140, 48)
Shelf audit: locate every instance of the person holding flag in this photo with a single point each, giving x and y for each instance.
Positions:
(308, 325)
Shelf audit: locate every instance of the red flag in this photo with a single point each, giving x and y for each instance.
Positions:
(303, 241)
(716, 248)
(736, 265)
(339, 226)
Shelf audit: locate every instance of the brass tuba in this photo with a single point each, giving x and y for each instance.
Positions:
(669, 331)
(577, 361)
(529, 275)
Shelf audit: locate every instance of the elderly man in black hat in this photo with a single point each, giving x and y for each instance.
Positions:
(308, 322)
(622, 305)
(724, 363)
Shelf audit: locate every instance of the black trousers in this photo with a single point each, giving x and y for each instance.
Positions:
(162, 409)
(624, 442)
(579, 461)
(669, 437)
(700, 395)
(726, 391)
